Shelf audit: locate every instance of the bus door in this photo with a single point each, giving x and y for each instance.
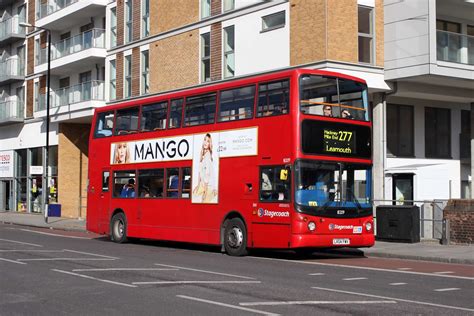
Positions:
(104, 201)
(271, 221)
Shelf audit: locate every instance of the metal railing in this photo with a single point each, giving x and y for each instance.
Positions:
(11, 27)
(12, 110)
(87, 91)
(52, 6)
(12, 67)
(455, 47)
(94, 38)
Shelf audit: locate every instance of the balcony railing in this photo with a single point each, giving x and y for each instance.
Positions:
(455, 47)
(87, 91)
(12, 110)
(52, 6)
(12, 67)
(11, 27)
(94, 38)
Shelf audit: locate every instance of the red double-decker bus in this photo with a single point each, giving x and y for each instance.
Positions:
(278, 160)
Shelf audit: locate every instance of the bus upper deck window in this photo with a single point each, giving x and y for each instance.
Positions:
(154, 116)
(273, 98)
(127, 121)
(104, 125)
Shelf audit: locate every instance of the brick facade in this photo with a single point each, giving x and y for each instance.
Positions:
(136, 71)
(460, 214)
(216, 7)
(136, 19)
(120, 21)
(216, 51)
(29, 98)
(164, 17)
(379, 33)
(30, 62)
(119, 76)
(342, 31)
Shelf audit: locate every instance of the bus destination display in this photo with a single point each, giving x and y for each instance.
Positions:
(339, 141)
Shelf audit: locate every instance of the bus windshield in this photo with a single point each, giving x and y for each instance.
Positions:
(320, 186)
(333, 97)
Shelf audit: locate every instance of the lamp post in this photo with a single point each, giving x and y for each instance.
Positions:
(48, 87)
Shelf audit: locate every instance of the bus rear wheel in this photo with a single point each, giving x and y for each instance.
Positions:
(118, 228)
(235, 237)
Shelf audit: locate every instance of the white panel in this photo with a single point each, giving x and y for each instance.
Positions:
(27, 135)
(367, 3)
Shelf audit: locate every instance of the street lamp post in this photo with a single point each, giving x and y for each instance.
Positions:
(48, 87)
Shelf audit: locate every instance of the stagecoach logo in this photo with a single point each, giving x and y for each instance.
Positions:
(271, 214)
(340, 227)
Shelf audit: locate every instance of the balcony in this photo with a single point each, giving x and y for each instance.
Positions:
(85, 48)
(11, 112)
(455, 47)
(72, 102)
(64, 14)
(11, 70)
(10, 30)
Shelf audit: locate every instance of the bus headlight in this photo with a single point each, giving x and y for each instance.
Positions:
(368, 226)
(311, 226)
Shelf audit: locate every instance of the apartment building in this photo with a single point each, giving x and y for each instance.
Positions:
(424, 127)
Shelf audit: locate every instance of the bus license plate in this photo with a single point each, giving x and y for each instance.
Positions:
(341, 241)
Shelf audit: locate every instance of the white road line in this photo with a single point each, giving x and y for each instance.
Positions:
(448, 289)
(92, 278)
(13, 261)
(250, 310)
(317, 273)
(31, 250)
(206, 271)
(90, 254)
(444, 272)
(365, 268)
(395, 299)
(195, 282)
(314, 303)
(354, 279)
(20, 242)
(125, 269)
(66, 259)
(399, 283)
(404, 269)
(56, 235)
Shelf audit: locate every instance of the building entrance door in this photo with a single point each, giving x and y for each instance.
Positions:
(6, 195)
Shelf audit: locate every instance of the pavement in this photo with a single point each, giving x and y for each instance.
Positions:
(425, 250)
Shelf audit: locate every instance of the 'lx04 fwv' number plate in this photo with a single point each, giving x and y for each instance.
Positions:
(341, 241)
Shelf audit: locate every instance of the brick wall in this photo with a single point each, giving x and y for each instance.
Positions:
(216, 7)
(136, 71)
(31, 14)
(216, 51)
(342, 35)
(119, 75)
(120, 21)
(29, 98)
(164, 16)
(379, 33)
(30, 63)
(136, 19)
(460, 214)
(174, 62)
(72, 168)
(42, 84)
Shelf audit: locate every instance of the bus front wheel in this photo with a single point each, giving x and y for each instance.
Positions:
(235, 237)
(118, 228)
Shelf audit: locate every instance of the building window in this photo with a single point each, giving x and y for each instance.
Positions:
(113, 80)
(37, 51)
(128, 21)
(37, 97)
(145, 83)
(205, 8)
(205, 57)
(127, 76)
(229, 5)
(400, 130)
(366, 34)
(273, 21)
(229, 60)
(145, 18)
(437, 133)
(113, 27)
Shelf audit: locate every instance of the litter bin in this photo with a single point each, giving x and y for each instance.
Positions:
(398, 223)
(54, 210)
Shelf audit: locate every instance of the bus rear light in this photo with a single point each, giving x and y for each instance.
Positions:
(311, 226)
(368, 226)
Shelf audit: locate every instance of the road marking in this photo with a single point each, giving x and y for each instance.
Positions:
(195, 282)
(251, 310)
(13, 261)
(51, 234)
(395, 299)
(365, 268)
(404, 269)
(31, 250)
(92, 278)
(354, 279)
(66, 259)
(444, 272)
(125, 269)
(206, 271)
(20, 242)
(91, 254)
(448, 289)
(399, 283)
(314, 303)
(317, 273)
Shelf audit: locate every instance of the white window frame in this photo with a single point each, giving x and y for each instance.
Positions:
(370, 35)
(204, 58)
(127, 76)
(113, 28)
(226, 7)
(144, 72)
(145, 21)
(278, 26)
(128, 28)
(228, 53)
(113, 79)
(205, 8)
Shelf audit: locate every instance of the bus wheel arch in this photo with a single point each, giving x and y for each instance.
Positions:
(234, 234)
(118, 226)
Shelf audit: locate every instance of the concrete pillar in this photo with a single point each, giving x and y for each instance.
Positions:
(471, 187)
(379, 143)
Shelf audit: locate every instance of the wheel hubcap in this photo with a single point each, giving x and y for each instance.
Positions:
(119, 228)
(236, 237)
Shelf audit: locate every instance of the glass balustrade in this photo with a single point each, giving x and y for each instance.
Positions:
(12, 110)
(11, 27)
(12, 67)
(455, 47)
(49, 7)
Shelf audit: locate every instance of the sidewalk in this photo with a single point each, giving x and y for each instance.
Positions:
(428, 251)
